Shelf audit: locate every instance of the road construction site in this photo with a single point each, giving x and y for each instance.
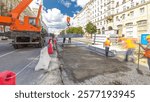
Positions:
(78, 65)
(30, 55)
(81, 66)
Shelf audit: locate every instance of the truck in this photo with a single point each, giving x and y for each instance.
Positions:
(26, 32)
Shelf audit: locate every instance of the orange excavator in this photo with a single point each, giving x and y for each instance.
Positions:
(27, 32)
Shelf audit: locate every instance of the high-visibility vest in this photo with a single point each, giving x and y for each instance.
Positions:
(107, 43)
(147, 53)
(130, 43)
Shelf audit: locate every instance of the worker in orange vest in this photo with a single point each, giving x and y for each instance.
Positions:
(107, 45)
(147, 50)
(130, 45)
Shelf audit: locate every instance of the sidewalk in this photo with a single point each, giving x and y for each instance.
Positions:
(53, 76)
(50, 64)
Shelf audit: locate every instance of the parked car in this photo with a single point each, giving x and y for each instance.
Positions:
(4, 38)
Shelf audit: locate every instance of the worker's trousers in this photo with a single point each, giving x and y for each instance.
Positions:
(106, 51)
(64, 39)
(129, 52)
(148, 61)
(69, 40)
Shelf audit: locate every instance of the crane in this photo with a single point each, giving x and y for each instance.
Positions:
(24, 32)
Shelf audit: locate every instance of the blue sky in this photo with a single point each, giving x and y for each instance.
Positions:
(67, 7)
(55, 12)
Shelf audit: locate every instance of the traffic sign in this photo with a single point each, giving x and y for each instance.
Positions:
(68, 19)
(143, 39)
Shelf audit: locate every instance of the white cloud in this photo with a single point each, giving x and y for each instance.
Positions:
(73, 0)
(54, 19)
(35, 4)
(82, 3)
(65, 3)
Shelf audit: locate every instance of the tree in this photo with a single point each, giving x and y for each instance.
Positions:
(80, 30)
(91, 28)
(75, 30)
(62, 32)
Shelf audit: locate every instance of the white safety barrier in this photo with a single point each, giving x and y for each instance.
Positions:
(44, 60)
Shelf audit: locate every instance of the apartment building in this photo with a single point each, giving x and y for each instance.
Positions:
(128, 17)
(82, 18)
(99, 12)
(132, 17)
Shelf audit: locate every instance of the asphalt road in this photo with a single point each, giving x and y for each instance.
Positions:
(22, 61)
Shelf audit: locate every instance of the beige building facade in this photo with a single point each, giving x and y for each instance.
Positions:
(132, 17)
(128, 17)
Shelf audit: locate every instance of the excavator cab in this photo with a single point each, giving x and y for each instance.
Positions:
(32, 21)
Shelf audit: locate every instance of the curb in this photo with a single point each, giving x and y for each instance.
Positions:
(111, 53)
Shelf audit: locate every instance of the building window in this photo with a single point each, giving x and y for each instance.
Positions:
(132, 3)
(132, 13)
(142, 22)
(117, 19)
(117, 4)
(129, 24)
(124, 7)
(117, 11)
(124, 1)
(142, 1)
(142, 10)
(123, 16)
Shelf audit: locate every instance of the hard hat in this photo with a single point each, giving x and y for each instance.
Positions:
(148, 37)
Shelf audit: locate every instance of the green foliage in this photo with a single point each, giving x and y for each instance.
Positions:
(75, 30)
(62, 32)
(91, 28)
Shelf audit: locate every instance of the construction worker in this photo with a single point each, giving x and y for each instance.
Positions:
(130, 45)
(122, 38)
(107, 44)
(69, 40)
(147, 50)
(64, 39)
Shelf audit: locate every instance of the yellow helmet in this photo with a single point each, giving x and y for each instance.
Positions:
(148, 37)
